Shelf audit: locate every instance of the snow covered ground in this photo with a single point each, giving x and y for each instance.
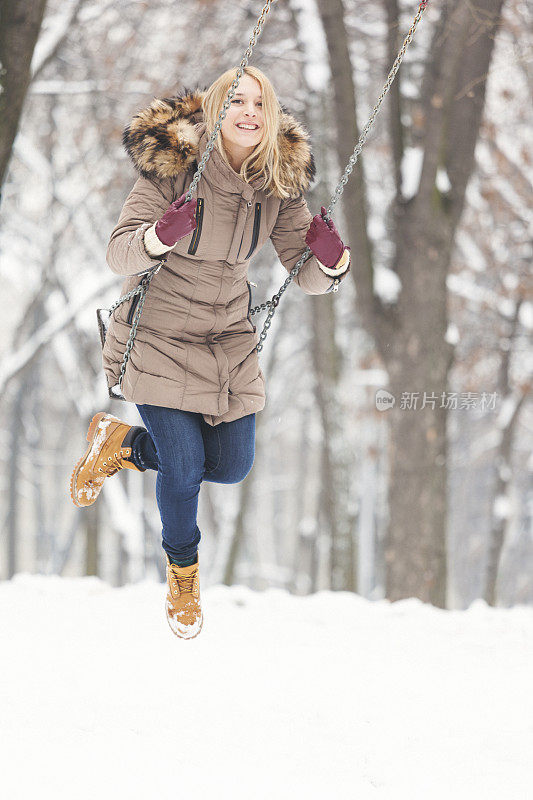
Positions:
(326, 696)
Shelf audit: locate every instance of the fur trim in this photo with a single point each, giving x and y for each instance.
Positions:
(162, 141)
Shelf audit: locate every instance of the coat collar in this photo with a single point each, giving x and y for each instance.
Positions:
(220, 174)
(169, 135)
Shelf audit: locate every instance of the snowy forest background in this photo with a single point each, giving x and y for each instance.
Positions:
(434, 502)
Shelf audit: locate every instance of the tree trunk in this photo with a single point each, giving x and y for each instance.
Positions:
(499, 511)
(327, 367)
(410, 334)
(301, 559)
(20, 23)
(15, 445)
(91, 539)
(239, 533)
(239, 530)
(507, 424)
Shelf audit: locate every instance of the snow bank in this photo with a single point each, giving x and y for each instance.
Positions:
(326, 696)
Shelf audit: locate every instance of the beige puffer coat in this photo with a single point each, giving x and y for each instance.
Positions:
(194, 348)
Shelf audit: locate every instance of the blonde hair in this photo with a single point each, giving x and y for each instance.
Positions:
(264, 160)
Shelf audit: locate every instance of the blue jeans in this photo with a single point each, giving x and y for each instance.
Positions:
(185, 450)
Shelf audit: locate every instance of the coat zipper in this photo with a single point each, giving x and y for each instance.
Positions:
(198, 230)
(250, 303)
(255, 233)
(249, 299)
(131, 312)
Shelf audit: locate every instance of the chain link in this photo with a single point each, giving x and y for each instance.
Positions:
(141, 290)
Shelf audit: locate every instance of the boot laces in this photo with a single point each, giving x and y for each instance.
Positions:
(185, 583)
(112, 464)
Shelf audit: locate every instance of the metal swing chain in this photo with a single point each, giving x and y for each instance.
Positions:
(211, 143)
(142, 288)
(272, 304)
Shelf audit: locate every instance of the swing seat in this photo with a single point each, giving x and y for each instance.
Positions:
(103, 315)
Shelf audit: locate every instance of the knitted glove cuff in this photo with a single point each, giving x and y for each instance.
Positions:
(342, 265)
(154, 246)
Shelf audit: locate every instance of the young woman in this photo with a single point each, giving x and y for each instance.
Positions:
(193, 371)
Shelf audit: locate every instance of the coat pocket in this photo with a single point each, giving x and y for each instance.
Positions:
(255, 232)
(193, 247)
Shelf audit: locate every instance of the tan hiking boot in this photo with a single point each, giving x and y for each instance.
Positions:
(110, 442)
(183, 609)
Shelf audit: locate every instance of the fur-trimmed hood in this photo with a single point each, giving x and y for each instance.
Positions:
(163, 140)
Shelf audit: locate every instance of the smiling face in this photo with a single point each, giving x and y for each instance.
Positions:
(242, 128)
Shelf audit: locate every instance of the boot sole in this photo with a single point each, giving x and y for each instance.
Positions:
(91, 433)
(177, 634)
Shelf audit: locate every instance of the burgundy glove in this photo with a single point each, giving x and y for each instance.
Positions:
(178, 220)
(324, 240)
